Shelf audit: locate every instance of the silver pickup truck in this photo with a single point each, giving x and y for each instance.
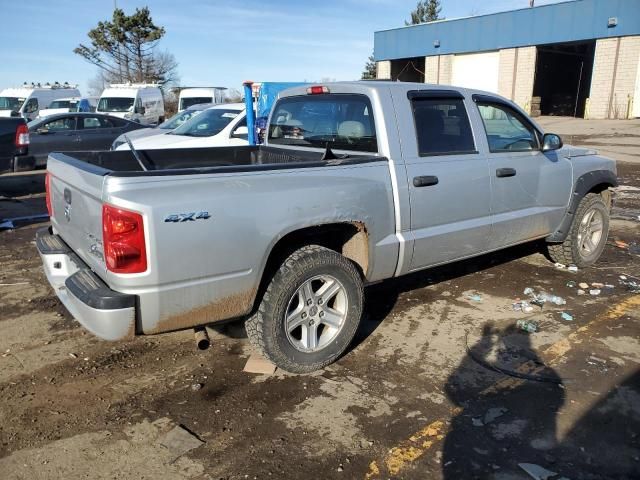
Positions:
(358, 182)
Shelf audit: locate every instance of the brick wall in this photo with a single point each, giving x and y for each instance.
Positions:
(613, 83)
(525, 76)
(438, 69)
(505, 72)
(431, 69)
(383, 70)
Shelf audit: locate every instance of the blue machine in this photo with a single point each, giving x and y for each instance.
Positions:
(257, 120)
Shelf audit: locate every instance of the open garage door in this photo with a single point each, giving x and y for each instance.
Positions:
(563, 77)
(476, 70)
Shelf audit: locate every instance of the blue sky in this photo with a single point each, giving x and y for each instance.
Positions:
(216, 42)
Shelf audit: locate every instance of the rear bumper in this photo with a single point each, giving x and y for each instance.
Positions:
(104, 312)
(17, 163)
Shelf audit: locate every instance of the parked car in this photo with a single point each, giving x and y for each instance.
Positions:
(26, 101)
(218, 126)
(14, 144)
(358, 182)
(195, 95)
(166, 126)
(72, 104)
(74, 131)
(141, 103)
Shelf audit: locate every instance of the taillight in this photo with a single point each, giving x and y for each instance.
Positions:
(47, 188)
(123, 240)
(22, 136)
(317, 89)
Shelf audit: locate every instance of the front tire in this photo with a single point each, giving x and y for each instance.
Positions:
(587, 236)
(309, 312)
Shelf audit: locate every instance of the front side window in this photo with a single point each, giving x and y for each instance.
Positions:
(60, 104)
(208, 123)
(61, 124)
(507, 130)
(31, 105)
(442, 126)
(115, 104)
(11, 103)
(338, 121)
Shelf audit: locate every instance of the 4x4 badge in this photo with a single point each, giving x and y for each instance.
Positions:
(187, 217)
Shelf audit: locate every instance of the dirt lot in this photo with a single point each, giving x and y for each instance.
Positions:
(437, 385)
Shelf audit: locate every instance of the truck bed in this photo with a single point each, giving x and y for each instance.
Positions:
(207, 160)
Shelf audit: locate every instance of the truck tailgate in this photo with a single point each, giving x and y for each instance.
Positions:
(76, 200)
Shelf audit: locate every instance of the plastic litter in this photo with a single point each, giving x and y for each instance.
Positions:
(571, 284)
(560, 266)
(475, 297)
(594, 292)
(522, 306)
(580, 292)
(494, 413)
(567, 317)
(541, 298)
(537, 472)
(527, 326)
(597, 285)
(572, 268)
(631, 283)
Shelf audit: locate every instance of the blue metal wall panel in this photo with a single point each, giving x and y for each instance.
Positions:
(556, 23)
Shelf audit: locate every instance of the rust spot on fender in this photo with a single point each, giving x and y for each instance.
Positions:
(235, 305)
(356, 247)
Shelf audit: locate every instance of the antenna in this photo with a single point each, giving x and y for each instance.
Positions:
(135, 154)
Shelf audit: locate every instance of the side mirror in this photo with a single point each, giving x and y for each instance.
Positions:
(42, 130)
(551, 141)
(241, 132)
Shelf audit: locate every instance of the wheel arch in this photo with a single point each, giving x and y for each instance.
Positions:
(349, 238)
(597, 181)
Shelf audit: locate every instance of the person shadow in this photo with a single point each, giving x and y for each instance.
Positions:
(501, 420)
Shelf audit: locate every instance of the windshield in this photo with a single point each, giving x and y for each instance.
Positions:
(339, 121)
(60, 104)
(178, 119)
(115, 104)
(190, 101)
(11, 103)
(209, 122)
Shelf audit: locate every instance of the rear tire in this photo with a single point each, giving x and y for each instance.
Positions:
(587, 236)
(309, 312)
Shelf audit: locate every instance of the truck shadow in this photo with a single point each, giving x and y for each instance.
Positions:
(501, 424)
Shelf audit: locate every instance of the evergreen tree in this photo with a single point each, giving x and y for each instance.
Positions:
(426, 11)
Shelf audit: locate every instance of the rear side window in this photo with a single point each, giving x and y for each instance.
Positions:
(507, 130)
(339, 121)
(442, 126)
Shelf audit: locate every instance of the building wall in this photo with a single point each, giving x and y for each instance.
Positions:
(516, 75)
(525, 77)
(613, 82)
(383, 70)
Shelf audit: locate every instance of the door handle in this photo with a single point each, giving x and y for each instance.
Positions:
(505, 172)
(425, 181)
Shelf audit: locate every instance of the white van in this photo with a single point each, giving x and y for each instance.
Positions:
(196, 95)
(26, 101)
(140, 103)
(72, 104)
